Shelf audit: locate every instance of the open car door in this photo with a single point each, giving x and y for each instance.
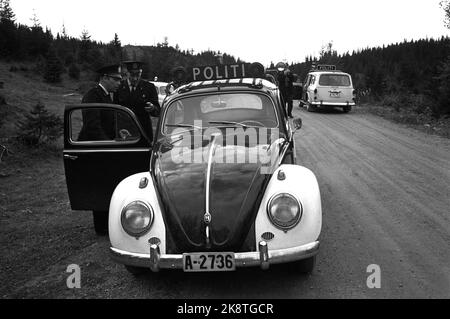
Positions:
(103, 144)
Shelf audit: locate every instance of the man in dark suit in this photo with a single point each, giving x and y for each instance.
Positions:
(139, 96)
(289, 91)
(285, 81)
(98, 125)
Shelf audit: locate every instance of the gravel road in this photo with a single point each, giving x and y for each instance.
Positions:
(385, 193)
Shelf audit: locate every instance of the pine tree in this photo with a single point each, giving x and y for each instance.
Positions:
(53, 67)
(445, 4)
(39, 126)
(116, 42)
(35, 20)
(6, 13)
(114, 50)
(64, 32)
(85, 46)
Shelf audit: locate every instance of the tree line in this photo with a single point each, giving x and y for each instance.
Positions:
(414, 73)
(54, 55)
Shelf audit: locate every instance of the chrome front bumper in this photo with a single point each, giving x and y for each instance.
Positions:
(262, 258)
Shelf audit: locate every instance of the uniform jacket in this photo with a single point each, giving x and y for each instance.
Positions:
(137, 101)
(286, 85)
(98, 125)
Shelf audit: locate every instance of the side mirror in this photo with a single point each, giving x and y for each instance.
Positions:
(298, 123)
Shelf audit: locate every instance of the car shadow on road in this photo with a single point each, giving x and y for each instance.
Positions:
(278, 282)
(333, 111)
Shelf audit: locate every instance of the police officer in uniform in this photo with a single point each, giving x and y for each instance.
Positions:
(139, 96)
(285, 81)
(179, 78)
(98, 125)
(289, 90)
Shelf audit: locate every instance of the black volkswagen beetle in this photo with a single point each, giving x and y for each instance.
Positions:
(217, 189)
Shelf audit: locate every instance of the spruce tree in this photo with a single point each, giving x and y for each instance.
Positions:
(6, 13)
(39, 126)
(445, 4)
(85, 46)
(53, 67)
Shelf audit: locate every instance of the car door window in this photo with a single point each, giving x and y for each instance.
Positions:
(102, 125)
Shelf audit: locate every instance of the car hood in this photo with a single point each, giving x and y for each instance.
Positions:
(235, 192)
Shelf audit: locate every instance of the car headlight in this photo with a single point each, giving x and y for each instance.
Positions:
(284, 211)
(137, 218)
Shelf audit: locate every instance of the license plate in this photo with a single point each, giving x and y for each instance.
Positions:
(335, 94)
(208, 262)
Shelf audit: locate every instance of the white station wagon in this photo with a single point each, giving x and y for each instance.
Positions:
(328, 87)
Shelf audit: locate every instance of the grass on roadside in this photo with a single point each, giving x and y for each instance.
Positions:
(413, 111)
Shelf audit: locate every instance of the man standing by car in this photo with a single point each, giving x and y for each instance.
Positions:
(286, 85)
(98, 125)
(289, 91)
(139, 96)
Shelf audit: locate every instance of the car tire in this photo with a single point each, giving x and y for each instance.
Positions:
(136, 271)
(310, 107)
(100, 222)
(347, 109)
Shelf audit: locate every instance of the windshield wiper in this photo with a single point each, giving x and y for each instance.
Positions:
(230, 123)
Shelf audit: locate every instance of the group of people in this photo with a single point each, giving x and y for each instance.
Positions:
(123, 85)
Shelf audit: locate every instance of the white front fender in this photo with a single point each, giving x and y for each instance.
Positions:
(126, 192)
(302, 184)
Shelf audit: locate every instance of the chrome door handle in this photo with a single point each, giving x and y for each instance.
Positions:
(73, 158)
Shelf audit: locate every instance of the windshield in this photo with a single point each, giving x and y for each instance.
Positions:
(232, 109)
(334, 80)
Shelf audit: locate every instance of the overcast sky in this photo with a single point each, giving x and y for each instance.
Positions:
(254, 30)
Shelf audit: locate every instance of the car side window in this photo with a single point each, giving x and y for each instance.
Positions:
(102, 125)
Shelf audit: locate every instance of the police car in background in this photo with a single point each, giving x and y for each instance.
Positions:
(327, 87)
